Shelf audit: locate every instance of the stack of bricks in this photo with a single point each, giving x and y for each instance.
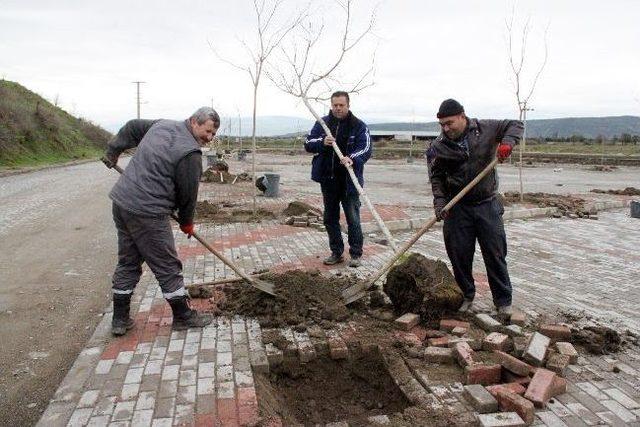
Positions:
(309, 219)
(528, 372)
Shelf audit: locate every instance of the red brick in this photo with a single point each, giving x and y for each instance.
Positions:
(205, 420)
(559, 386)
(510, 387)
(247, 396)
(513, 364)
(496, 341)
(248, 415)
(511, 402)
(480, 373)
(463, 354)
(419, 332)
(541, 388)
(556, 332)
(112, 350)
(130, 342)
(518, 318)
(449, 324)
(459, 331)
(227, 411)
(337, 348)
(558, 363)
(438, 342)
(510, 377)
(432, 333)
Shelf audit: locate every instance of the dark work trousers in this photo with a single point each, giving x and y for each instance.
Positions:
(333, 194)
(146, 239)
(483, 221)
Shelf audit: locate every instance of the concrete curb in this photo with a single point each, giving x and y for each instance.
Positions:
(509, 214)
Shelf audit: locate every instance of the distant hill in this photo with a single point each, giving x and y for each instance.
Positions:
(32, 130)
(589, 127)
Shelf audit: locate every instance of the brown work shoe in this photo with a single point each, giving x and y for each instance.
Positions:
(333, 259)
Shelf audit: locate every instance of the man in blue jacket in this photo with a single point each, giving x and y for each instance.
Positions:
(352, 137)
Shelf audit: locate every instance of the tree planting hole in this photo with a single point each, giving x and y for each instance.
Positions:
(326, 390)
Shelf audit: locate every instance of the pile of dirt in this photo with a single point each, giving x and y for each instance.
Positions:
(422, 286)
(302, 297)
(324, 391)
(628, 191)
(216, 213)
(598, 339)
(217, 176)
(603, 168)
(297, 208)
(566, 204)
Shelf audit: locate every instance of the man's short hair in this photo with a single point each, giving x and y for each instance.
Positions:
(340, 93)
(203, 114)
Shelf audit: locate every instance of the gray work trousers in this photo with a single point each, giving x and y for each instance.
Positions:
(146, 239)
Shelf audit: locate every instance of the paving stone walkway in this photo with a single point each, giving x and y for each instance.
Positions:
(159, 377)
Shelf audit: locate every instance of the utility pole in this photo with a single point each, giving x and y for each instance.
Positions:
(413, 132)
(523, 117)
(138, 96)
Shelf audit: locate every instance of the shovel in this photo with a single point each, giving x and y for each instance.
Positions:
(358, 290)
(258, 284)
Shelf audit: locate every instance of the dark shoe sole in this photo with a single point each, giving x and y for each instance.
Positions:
(339, 261)
(200, 322)
(356, 264)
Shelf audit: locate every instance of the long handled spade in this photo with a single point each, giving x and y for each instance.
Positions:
(354, 179)
(358, 291)
(258, 284)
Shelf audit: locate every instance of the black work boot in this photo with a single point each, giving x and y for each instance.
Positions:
(185, 317)
(333, 259)
(121, 321)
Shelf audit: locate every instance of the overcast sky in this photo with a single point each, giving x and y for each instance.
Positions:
(88, 53)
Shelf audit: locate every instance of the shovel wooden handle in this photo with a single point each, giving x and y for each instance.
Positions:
(358, 291)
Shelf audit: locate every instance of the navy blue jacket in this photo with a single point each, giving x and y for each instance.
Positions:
(359, 149)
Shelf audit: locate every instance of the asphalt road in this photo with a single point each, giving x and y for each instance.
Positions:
(57, 252)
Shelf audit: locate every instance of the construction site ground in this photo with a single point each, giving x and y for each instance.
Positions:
(578, 269)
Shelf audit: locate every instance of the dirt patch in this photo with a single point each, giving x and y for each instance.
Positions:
(326, 390)
(301, 297)
(603, 168)
(423, 286)
(221, 214)
(628, 191)
(566, 204)
(598, 339)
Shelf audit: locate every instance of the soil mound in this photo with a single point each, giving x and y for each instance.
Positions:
(297, 208)
(217, 176)
(213, 212)
(598, 339)
(301, 297)
(629, 191)
(423, 286)
(565, 203)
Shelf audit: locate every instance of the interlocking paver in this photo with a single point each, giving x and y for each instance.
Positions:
(205, 375)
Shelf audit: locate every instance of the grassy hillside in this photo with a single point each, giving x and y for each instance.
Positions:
(33, 131)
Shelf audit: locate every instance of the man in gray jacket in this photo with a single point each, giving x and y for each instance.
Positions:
(162, 177)
(463, 149)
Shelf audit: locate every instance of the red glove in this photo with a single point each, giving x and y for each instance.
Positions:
(187, 229)
(504, 151)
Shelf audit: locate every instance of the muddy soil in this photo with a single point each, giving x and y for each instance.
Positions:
(326, 390)
(423, 286)
(302, 297)
(221, 214)
(628, 191)
(565, 203)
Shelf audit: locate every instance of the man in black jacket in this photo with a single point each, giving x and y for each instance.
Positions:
(463, 149)
(162, 176)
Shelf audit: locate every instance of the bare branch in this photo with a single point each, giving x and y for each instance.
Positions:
(544, 63)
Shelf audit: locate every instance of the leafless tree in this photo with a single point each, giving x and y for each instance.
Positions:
(297, 73)
(517, 65)
(269, 34)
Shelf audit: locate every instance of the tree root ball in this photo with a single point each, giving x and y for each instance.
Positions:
(422, 286)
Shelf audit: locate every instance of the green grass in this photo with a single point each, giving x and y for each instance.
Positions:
(583, 148)
(35, 132)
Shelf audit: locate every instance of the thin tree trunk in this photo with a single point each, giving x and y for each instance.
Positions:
(523, 114)
(253, 143)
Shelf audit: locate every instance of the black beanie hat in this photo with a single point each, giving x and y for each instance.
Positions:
(450, 107)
